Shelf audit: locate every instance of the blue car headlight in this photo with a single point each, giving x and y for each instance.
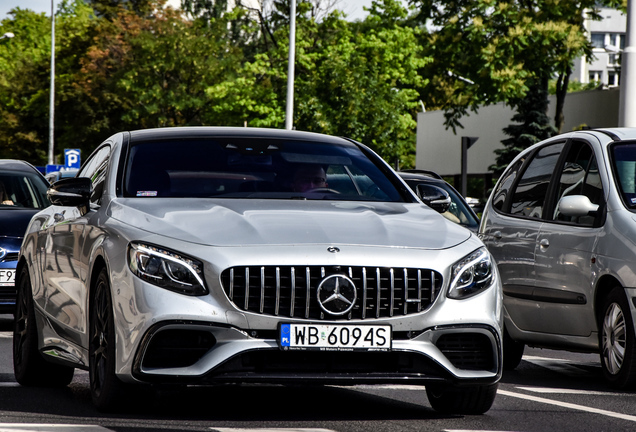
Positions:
(167, 269)
(471, 275)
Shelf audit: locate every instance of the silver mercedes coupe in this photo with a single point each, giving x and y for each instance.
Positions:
(206, 256)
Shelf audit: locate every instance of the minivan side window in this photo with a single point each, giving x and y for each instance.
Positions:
(579, 176)
(503, 187)
(529, 196)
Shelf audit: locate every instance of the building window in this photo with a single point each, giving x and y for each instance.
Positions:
(613, 78)
(595, 76)
(598, 40)
(617, 40)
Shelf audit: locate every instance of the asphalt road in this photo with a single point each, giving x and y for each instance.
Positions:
(550, 391)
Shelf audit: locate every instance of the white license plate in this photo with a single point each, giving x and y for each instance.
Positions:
(7, 277)
(335, 337)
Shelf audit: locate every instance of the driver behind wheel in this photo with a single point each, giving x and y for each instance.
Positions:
(308, 177)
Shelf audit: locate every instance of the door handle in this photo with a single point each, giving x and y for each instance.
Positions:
(497, 235)
(544, 243)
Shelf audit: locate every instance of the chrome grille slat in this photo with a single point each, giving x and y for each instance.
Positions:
(282, 290)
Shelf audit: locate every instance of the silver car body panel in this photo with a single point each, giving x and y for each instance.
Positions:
(575, 261)
(64, 247)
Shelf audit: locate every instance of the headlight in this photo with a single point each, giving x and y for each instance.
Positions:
(166, 269)
(471, 275)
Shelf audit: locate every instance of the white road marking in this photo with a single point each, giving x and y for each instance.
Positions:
(269, 430)
(42, 427)
(548, 390)
(6, 335)
(568, 405)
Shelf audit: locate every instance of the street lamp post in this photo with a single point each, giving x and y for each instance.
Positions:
(52, 91)
(289, 111)
(627, 104)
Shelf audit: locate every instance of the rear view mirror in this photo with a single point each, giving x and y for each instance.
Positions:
(434, 196)
(70, 192)
(576, 205)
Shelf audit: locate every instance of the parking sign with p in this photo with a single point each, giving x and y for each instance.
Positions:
(72, 158)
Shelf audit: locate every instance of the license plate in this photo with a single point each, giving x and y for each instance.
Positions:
(7, 277)
(335, 337)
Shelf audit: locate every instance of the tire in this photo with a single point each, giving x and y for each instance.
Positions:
(107, 391)
(449, 399)
(616, 340)
(512, 352)
(29, 366)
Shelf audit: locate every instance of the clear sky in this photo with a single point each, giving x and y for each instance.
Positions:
(353, 8)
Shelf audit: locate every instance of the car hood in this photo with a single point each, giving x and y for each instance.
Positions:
(14, 221)
(231, 222)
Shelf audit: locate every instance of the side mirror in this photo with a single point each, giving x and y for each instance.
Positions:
(576, 205)
(434, 196)
(70, 192)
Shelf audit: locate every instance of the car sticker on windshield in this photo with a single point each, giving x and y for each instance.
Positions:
(146, 193)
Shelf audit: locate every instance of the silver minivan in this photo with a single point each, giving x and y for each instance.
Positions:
(561, 225)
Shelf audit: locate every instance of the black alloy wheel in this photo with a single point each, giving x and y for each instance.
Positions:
(29, 366)
(106, 389)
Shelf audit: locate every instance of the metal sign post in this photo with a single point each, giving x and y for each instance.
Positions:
(467, 142)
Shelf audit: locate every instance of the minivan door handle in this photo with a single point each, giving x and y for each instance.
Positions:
(544, 243)
(497, 235)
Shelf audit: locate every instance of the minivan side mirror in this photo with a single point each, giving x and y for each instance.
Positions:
(576, 205)
(434, 196)
(71, 192)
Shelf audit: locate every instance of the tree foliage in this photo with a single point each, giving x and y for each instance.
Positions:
(125, 65)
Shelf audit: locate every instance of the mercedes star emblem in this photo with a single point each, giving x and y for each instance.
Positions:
(337, 294)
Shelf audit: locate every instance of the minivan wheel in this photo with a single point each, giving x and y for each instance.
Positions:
(616, 340)
(449, 399)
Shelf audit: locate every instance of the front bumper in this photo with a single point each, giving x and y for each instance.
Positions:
(200, 353)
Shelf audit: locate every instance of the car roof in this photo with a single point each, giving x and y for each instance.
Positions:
(236, 132)
(17, 165)
(616, 134)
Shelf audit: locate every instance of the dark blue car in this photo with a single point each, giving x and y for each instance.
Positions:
(22, 194)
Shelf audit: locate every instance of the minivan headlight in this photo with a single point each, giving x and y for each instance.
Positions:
(167, 269)
(471, 275)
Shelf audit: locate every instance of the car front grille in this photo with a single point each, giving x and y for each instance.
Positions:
(290, 291)
(12, 256)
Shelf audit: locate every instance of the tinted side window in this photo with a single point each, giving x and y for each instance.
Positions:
(579, 176)
(503, 188)
(95, 169)
(530, 194)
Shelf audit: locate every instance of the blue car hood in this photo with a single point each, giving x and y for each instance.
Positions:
(14, 221)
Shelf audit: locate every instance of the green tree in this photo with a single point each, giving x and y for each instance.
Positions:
(24, 86)
(500, 46)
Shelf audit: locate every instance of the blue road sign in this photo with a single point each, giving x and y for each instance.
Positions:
(72, 158)
(53, 168)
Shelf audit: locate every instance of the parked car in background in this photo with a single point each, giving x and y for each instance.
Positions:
(54, 176)
(561, 224)
(427, 184)
(22, 194)
(208, 256)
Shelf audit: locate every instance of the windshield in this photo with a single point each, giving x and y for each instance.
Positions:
(624, 164)
(255, 168)
(22, 190)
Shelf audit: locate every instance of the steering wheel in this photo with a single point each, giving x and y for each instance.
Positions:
(323, 190)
